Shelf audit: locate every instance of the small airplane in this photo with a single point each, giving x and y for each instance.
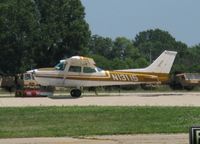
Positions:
(77, 72)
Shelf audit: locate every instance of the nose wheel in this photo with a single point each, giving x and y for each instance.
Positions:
(75, 93)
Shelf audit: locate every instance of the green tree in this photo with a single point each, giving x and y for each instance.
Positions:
(118, 63)
(152, 43)
(194, 58)
(182, 61)
(37, 33)
(102, 62)
(64, 31)
(141, 62)
(125, 54)
(124, 48)
(18, 27)
(100, 45)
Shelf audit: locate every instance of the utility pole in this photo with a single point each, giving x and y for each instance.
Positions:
(150, 58)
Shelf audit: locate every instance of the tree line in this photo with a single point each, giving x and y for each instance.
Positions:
(143, 50)
(38, 33)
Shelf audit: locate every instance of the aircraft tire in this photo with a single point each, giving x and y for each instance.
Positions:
(75, 93)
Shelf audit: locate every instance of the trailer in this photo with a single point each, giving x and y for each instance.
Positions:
(185, 81)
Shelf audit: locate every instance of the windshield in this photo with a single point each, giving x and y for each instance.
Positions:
(99, 69)
(60, 66)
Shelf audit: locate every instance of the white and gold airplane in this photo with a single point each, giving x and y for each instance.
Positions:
(77, 72)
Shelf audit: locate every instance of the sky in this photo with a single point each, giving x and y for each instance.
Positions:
(117, 18)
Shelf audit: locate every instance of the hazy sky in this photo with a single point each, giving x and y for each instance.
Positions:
(114, 18)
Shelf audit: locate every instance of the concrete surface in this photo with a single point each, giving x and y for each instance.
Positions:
(114, 99)
(115, 139)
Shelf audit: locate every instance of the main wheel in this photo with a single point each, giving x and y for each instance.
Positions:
(75, 93)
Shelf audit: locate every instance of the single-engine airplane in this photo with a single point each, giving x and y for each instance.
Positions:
(77, 72)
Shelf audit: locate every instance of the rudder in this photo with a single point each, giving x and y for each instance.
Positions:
(163, 63)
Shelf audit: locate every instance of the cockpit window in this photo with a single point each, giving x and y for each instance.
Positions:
(75, 69)
(88, 70)
(60, 66)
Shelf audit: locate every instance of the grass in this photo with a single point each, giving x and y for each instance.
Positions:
(81, 121)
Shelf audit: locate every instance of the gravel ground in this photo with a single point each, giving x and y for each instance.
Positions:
(114, 99)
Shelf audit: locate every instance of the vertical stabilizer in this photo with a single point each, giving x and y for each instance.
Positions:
(163, 63)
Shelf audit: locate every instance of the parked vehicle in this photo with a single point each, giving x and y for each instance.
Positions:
(185, 81)
(25, 85)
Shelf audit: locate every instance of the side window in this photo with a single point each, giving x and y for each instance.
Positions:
(75, 69)
(88, 70)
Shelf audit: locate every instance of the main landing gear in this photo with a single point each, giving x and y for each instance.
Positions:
(76, 93)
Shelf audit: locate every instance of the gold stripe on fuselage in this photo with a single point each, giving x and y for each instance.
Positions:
(114, 76)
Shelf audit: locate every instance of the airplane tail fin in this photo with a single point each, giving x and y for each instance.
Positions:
(163, 63)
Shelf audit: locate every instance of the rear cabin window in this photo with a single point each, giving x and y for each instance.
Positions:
(89, 70)
(75, 69)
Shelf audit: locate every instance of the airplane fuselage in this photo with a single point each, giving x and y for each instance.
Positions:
(102, 78)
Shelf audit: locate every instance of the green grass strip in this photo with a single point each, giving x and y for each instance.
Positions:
(81, 121)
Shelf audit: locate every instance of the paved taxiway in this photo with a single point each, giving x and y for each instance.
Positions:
(112, 99)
